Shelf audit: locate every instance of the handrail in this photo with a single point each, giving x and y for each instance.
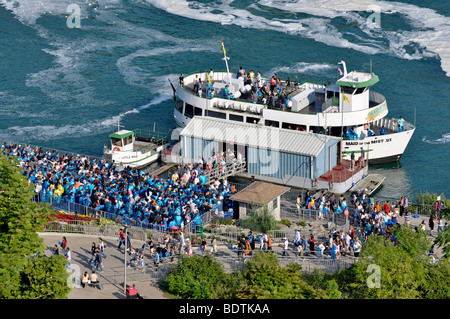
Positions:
(224, 171)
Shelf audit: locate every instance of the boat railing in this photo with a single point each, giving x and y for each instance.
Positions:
(153, 140)
(391, 125)
(158, 136)
(222, 75)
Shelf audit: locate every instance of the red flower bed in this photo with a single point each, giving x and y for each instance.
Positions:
(64, 216)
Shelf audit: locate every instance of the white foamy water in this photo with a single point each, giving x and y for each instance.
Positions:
(52, 132)
(134, 75)
(224, 13)
(431, 30)
(304, 67)
(445, 139)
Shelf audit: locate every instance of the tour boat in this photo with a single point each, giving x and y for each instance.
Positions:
(348, 109)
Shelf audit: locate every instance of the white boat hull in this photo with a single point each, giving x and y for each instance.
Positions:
(378, 149)
(133, 159)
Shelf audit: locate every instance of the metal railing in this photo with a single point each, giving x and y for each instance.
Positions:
(229, 169)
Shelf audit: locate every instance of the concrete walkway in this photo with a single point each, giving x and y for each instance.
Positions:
(79, 245)
(113, 273)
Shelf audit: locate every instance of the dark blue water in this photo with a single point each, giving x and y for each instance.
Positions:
(67, 88)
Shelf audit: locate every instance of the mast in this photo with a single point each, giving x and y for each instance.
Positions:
(225, 58)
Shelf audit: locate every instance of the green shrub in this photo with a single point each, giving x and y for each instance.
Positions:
(259, 221)
(302, 223)
(285, 222)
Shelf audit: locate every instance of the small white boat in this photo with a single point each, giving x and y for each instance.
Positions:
(136, 148)
(368, 185)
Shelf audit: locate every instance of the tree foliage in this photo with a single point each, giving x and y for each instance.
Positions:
(200, 277)
(396, 270)
(265, 278)
(20, 220)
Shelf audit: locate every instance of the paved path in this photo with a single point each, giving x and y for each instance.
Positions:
(80, 245)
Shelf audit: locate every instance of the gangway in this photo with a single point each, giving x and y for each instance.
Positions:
(229, 169)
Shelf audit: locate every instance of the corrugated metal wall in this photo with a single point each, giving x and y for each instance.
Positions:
(268, 162)
(326, 160)
(277, 164)
(194, 147)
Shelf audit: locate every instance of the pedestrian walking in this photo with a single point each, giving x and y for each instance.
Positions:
(407, 218)
(63, 243)
(213, 245)
(356, 248)
(93, 250)
(431, 223)
(101, 247)
(441, 224)
(285, 246)
(156, 261)
(98, 260)
(320, 248)
(121, 239)
(68, 256)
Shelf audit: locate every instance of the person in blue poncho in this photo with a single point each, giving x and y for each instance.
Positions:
(178, 219)
(333, 251)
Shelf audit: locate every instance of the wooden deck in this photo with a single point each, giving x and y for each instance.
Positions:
(341, 172)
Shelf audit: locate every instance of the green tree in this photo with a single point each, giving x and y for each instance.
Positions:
(200, 277)
(264, 278)
(402, 267)
(20, 220)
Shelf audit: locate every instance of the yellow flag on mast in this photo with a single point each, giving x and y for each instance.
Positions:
(223, 47)
(346, 99)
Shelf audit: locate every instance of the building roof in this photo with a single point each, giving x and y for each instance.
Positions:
(263, 137)
(259, 193)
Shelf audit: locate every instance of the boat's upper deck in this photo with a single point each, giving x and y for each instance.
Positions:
(287, 95)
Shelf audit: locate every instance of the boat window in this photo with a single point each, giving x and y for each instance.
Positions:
(292, 126)
(238, 118)
(360, 90)
(218, 115)
(197, 111)
(252, 119)
(330, 94)
(116, 141)
(127, 140)
(179, 106)
(189, 110)
(272, 123)
(347, 90)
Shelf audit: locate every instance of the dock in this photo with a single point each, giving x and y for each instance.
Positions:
(161, 170)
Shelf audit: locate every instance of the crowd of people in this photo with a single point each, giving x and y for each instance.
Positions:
(183, 196)
(366, 217)
(272, 92)
(129, 193)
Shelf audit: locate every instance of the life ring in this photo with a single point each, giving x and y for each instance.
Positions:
(366, 126)
(116, 149)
